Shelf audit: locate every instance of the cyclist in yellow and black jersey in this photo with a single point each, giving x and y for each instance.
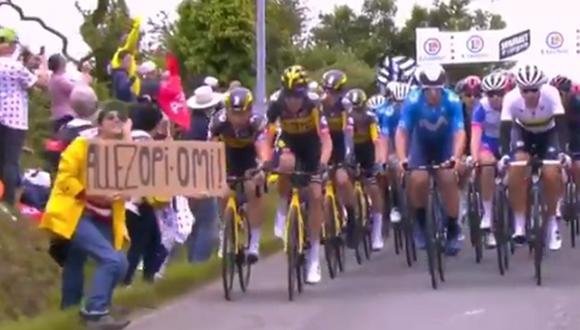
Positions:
(369, 153)
(334, 87)
(307, 147)
(243, 134)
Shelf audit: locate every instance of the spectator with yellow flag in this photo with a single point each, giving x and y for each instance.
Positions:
(130, 45)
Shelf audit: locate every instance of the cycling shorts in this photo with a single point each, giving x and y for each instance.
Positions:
(240, 160)
(490, 145)
(423, 152)
(338, 148)
(545, 145)
(364, 154)
(306, 151)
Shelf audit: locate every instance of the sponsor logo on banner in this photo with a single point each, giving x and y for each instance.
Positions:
(475, 44)
(514, 44)
(555, 43)
(432, 46)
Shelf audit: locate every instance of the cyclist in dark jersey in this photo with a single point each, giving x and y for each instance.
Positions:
(307, 146)
(243, 135)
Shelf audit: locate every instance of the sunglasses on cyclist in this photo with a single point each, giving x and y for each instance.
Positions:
(530, 90)
(491, 94)
(470, 95)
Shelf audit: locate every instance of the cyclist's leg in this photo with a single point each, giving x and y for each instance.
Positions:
(344, 185)
(255, 206)
(365, 155)
(310, 161)
(487, 157)
(286, 163)
(418, 189)
(552, 186)
(449, 189)
(520, 147)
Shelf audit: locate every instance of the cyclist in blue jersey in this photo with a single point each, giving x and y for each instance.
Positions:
(485, 128)
(432, 127)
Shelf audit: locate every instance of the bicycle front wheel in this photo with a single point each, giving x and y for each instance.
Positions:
(431, 238)
(538, 230)
(244, 267)
(330, 237)
(360, 224)
(293, 253)
(474, 222)
(228, 253)
(501, 236)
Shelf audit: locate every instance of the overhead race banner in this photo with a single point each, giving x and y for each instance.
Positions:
(156, 168)
(443, 47)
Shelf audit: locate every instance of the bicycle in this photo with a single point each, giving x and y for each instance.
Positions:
(475, 210)
(434, 226)
(536, 208)
(570, 207)
(362, 206)
(236, 236)
(502, 222)
(295, 232)
(391, 197)
(334, 247)
(407, 226)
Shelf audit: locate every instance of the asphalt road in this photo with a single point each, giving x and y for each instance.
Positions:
(385, 294)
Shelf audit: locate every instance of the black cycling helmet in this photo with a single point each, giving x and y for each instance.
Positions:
(355, 98)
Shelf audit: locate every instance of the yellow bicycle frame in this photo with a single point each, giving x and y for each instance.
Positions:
(359, 191)
(231, 204)
(330, 192)
(295, 203)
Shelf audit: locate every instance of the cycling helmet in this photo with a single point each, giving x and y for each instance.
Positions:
(239, 99)
(356, 98)
(334, 80)
(295, 78)
(376, 101)
(432, 75)
(494, 82)
(471, 84)
(313, 87)
(399, 90)
(562, 83)
(530, 76)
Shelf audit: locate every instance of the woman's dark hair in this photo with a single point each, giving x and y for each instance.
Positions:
(145, 116)
(56, 62)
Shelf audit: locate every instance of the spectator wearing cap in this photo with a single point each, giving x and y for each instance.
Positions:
(59, 89)
(140, 212)
(150, 81)
(94, 227)
(200, 243)
(122, 81)
(212, 82)
(15, 82)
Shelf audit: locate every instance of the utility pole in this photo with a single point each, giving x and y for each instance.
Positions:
(260, 91)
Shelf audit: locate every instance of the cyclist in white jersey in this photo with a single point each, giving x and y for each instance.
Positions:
(537, 114)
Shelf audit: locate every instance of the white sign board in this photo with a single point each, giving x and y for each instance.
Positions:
(442, 47)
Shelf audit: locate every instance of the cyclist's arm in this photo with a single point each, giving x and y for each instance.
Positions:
(458, 127)
(405, 126)
(506, 120)
(378, 140)
(272, 116)
(261, 144)
(561, 120)
(325, 139)
(477, 131)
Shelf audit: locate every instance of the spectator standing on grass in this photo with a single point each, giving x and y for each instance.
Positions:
(15, 82)
(122, 81)
(200, 243)
(140, 212)
(93, 225)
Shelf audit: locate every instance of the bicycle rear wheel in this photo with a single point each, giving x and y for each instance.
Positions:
(538, 232)
(293, 254)
(244, 267)
(571, 211)
(367, 243)
(228, 253)
(330, 237)
(473, 203)
(432, 242)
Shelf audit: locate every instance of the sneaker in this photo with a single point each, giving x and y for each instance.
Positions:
(490, 242)
(554, 239)
(420, 239)
(395, 215)
(519, 235)
(453, 244)
(377, 241)
(313, 272)
(485, 222)
(106, 322)
(253, 253)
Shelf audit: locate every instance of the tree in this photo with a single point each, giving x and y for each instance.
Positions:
(216, 38)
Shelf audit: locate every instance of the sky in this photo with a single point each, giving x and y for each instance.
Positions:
(517, 14)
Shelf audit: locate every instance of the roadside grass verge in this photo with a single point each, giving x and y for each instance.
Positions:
(181, 278)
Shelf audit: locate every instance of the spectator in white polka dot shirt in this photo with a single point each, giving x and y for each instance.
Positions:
(15, 81)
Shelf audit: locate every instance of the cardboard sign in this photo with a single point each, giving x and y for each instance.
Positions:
(156, 168)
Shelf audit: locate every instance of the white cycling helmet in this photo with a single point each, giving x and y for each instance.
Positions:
(530, 76)
(431, 75)
(313, 86)
(494, 82)
(376, 101)
(398, 90)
